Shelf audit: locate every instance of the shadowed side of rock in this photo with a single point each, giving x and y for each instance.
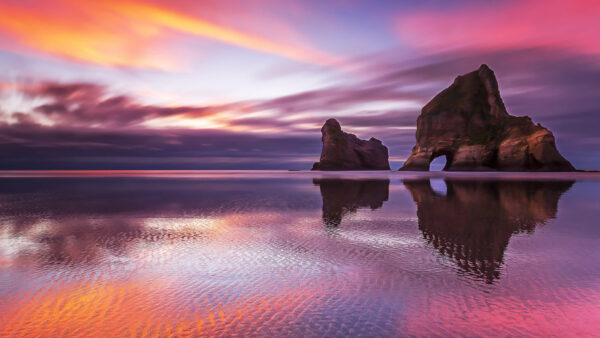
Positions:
(343, 151)
(469, 125)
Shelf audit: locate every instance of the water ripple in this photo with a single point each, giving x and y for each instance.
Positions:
(260, 257)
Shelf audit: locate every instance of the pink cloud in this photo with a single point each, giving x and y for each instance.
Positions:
(571, 24)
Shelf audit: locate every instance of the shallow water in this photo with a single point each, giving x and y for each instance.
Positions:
(298, 254)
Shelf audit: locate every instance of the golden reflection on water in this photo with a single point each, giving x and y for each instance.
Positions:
(90, 302)
(137, 308)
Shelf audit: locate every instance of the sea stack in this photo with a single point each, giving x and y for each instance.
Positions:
(343, 151)
(468, 123)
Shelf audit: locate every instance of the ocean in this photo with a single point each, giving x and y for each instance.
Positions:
(278, 253)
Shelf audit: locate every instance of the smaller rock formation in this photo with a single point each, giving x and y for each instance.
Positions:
(343, 151)
(468, 123)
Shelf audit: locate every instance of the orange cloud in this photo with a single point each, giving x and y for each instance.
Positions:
(81, 37)
(127, 33)
(188, 24)
(570, 24)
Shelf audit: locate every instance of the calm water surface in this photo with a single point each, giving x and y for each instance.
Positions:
(298, 254)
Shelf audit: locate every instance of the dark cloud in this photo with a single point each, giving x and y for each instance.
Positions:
(62, 91)
(88, 104)
(32, 146)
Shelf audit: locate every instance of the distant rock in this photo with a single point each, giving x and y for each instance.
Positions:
(468, 123)
(343, 151)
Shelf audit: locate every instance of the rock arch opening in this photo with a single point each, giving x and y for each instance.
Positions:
(438, 163)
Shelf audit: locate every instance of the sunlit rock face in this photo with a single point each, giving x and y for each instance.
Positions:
(343, 151)
(472, 224)
(341, 197)
(468, 123)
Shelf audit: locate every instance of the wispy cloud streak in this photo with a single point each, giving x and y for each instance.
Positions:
(131, 33)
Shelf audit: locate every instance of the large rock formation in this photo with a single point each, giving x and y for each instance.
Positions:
(468, 123)
(343, 151)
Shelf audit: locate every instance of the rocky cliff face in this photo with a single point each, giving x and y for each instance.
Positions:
(343, 151)
(468, 123)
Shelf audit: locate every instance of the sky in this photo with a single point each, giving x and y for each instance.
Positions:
(222, 84)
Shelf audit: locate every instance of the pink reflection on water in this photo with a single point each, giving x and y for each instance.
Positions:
(522, 313)
(170, 257)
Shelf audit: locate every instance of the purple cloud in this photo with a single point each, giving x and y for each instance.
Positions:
(93, 128)
(87, 104)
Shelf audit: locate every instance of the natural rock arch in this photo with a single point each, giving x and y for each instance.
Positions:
(468, 123)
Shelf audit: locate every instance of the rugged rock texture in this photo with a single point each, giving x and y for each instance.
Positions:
(473, 222)
(468, 123)
(343, 151)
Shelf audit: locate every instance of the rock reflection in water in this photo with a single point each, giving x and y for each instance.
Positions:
(473, 222)
(343, 196)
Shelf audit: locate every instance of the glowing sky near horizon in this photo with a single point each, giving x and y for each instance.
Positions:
(247, 84)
